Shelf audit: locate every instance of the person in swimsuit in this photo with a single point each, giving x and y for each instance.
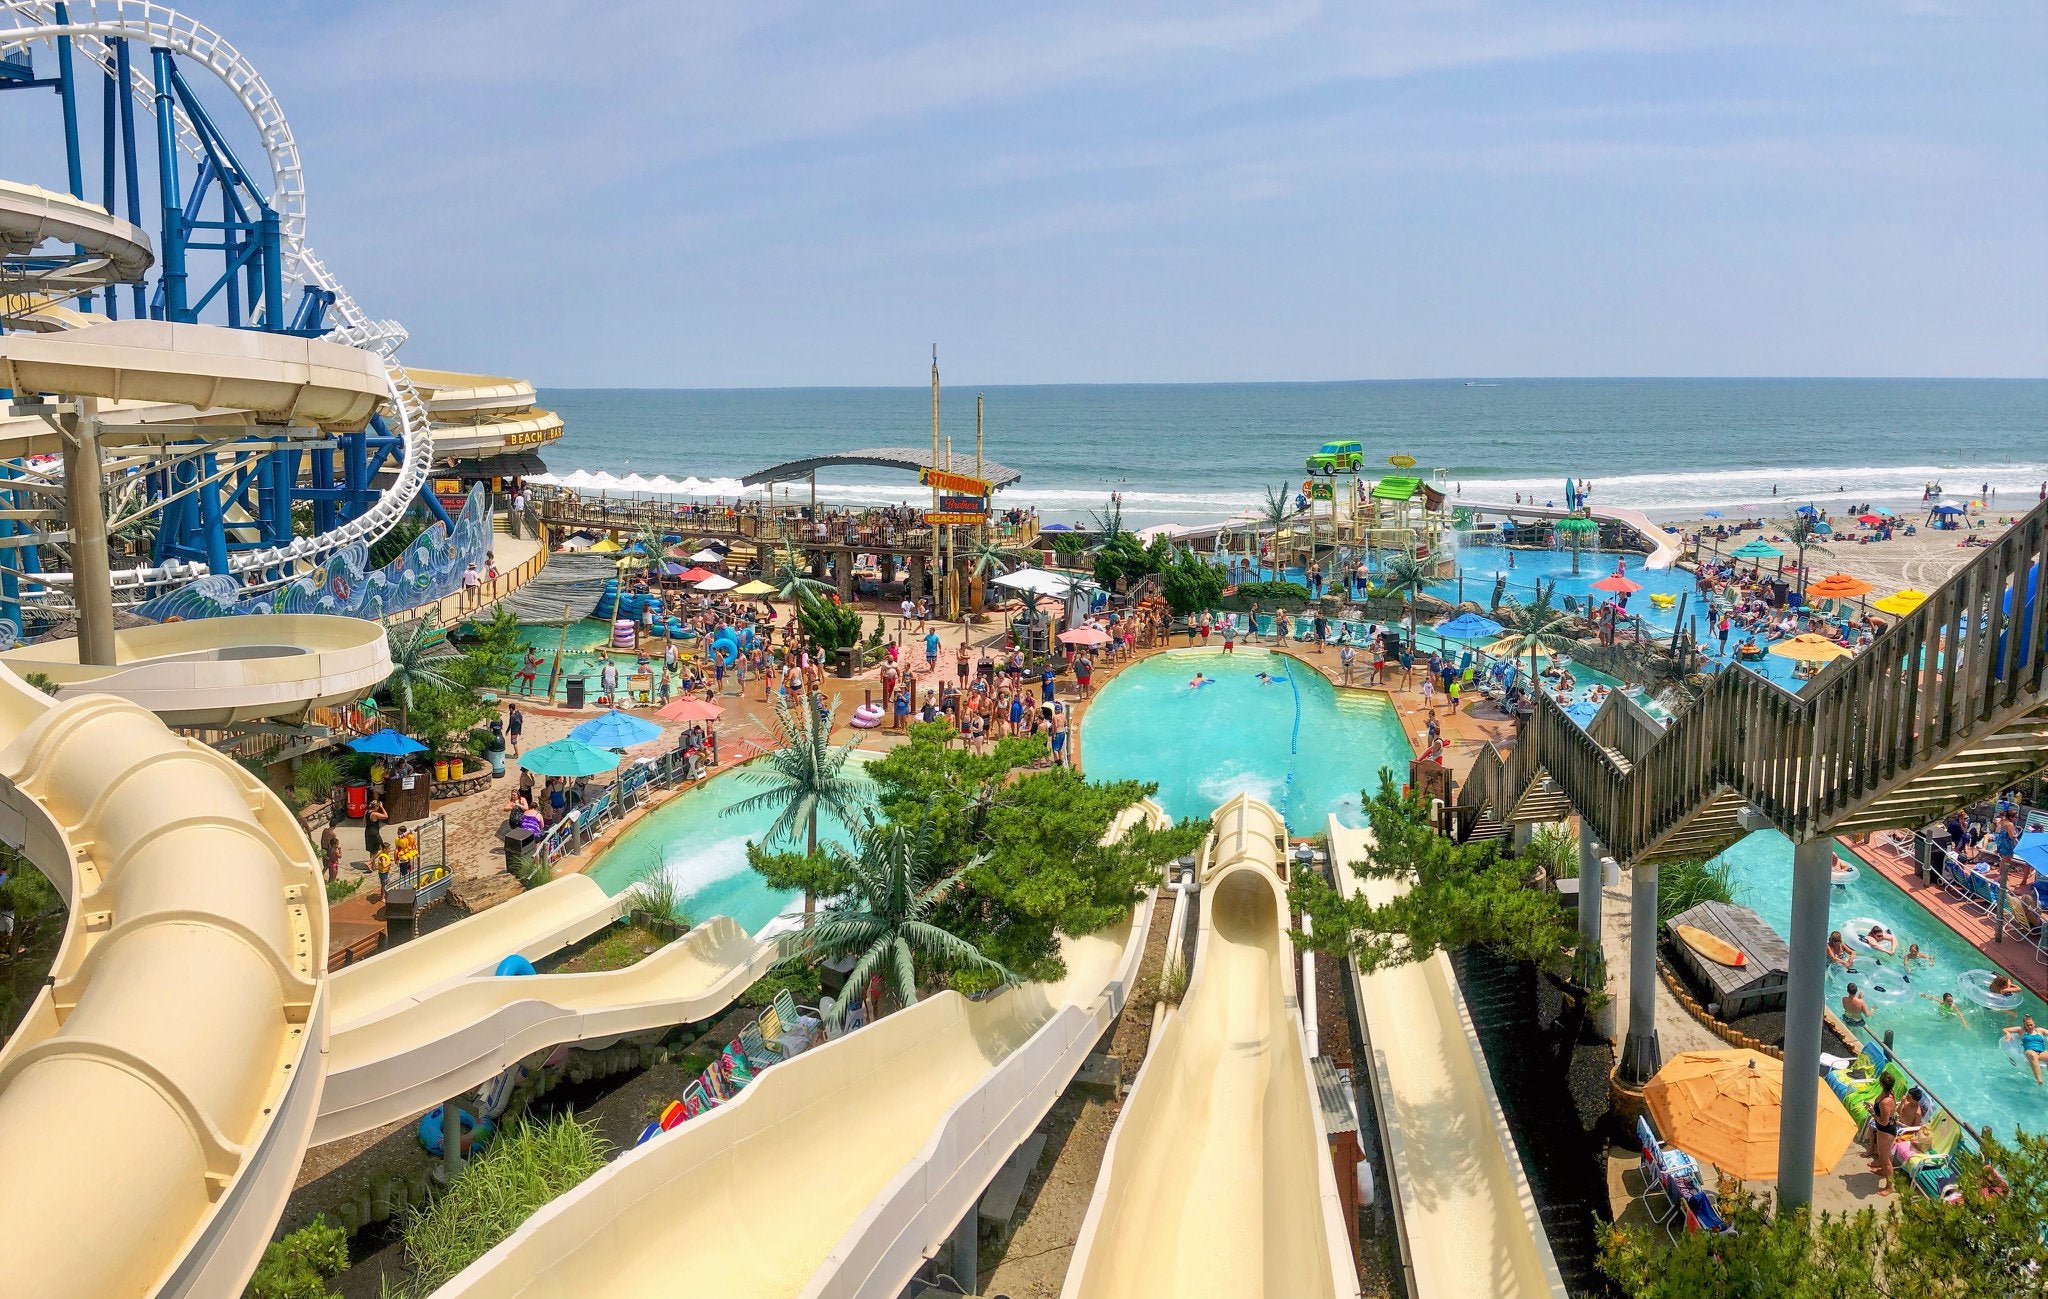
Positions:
(1854, 1009)
(1881, 939)
(2033, 1045)
(1198, 682)
(1913, 953)
(1946, 1004)
(1839, 952)
(1884, 1131)
(2002, 985)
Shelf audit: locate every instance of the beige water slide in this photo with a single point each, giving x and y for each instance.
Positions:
(839, 1172)
(444, 1042)
(155, 1101)
(1217, 1180)
(1468, 1220)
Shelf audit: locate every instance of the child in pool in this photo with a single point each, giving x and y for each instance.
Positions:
(1946, 1004)
(1201, 681)
(1839, 952)
(1913, 953)
(2002, 985)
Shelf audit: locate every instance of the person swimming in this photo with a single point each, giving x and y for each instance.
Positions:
(1881, 939)
(1946, 1004)
(2002, 985)
(1265, 679)
(1913, 953)
(1840, 953)
(1854, 1009)
(2033, 1045)
(1200, 681)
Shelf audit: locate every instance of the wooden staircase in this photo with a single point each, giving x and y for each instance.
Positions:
(1945, 708)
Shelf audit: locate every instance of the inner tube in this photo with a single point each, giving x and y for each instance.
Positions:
(514, 964)
(1843, 872)
(1976, 985)
(1859, 926)
(867, 716)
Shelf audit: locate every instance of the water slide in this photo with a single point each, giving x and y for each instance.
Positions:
(1664, 550)
(473, 412)
(839, 1172)
(105, 249)
(1468, 1221)
(1217, 1179)
(446, 1042)
(155, 1101)
(219, 671)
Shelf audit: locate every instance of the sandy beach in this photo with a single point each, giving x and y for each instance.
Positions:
(1920, 562)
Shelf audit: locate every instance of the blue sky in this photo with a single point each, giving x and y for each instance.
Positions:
(683, 194)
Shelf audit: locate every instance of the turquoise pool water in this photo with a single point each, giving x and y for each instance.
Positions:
(1963, 1062)
(1299, 743)
(691, 840)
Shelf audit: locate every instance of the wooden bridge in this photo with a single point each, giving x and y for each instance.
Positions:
(1946, 708)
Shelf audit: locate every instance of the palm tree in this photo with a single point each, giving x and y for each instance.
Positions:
(791, 578)
(801, 776)
(1109, 523)
(881, 921)
(1405, 575)
(989, 557)
(1278, 507)
(414, 647)
(1536, 626)
(1803, 530)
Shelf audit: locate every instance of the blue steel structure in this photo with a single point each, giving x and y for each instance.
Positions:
(219, 258)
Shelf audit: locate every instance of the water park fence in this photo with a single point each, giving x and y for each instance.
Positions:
(635, 785)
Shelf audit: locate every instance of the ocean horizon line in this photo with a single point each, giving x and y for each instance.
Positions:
(1476, 380)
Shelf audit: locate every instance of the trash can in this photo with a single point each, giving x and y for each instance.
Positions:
(575, 695)
(358, 800)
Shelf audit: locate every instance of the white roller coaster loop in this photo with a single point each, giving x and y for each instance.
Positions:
(94, 22)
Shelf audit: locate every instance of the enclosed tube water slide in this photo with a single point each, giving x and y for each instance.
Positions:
(107, 250)
(838, 1172)
(155, 1101)
(1217, 1179)
(1469, 1226)
(446, 1042)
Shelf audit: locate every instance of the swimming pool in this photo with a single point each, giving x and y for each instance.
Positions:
(1964, 1064)
(691, 840)
(1299, 743)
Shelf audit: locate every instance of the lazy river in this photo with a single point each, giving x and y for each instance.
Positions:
(1297, 742)
(1962, 1060)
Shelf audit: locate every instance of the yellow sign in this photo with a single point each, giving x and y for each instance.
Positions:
(1401, 462)
(1322, 489)
(531, 436)
(946, 482)
(447, 487)
(941, 518)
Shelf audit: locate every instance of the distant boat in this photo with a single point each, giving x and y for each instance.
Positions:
(1474, 383)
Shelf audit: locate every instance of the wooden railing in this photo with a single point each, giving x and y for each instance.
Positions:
(1877, 739)
(781, 524)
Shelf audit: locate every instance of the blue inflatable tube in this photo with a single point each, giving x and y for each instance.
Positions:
(514, 964)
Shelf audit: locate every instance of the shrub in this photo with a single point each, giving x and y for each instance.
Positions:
(1685, 884)
(832, 625)
(337, 890)
(298, 1265)
(316, 778)
(527, 1166)
(1271, 591)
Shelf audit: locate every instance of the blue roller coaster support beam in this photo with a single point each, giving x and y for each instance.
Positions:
(124, 73)
(212, 526)
(67, 91)
(171, 285)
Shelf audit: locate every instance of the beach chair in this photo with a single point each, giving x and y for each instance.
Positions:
(795, 1023)
(756, 1048)
(695, 1102)
(1661, 1169)
(1266, 626)
(1465, 667)
(1701, 1215)
(732, 1063)
(770, 1023)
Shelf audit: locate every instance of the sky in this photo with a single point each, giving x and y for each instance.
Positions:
(773, 194)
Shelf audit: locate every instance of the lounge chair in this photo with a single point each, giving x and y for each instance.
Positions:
(1701, 1215)
(795, 1023)
(1662, 1172)
(1265, 626)
(756, 1048)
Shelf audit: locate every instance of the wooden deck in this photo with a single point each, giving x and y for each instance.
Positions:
(1890, 855)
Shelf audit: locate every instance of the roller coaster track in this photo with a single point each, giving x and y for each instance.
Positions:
(92, 25)
(1947, 706)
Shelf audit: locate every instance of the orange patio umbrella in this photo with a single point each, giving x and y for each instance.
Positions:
(690, 710)
(1838, 586)
(1618, 584)
(1723, 1108)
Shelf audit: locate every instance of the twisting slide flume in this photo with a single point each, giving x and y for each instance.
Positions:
(451, 1040)
(1217, 1180)
(154, 1104)
(1466, 1214)
(837, 1172)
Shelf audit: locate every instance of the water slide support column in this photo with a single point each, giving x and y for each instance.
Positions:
(173, 251)
(1592, 879)
(1641, 1056)
(124, 73)
(1805, 992)
(92, 589)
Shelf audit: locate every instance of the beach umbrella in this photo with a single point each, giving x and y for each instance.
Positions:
(694, 574)
(1809, 648)
(1618, 584)
(715, 582)
(569, 757)
(670, 568)
(1723, 1108)
(1713, 514)
(1084, 636)
(1806, 509)
(607, 547)
(756, 587)
(1900, 603)
(1839, 586)
(388, 743)
(1507, 649)
(1885, 510)
(1870, 520)
(1757, 549)
(1468, 626)
(708, 556)
(616, 730)
(691, 710)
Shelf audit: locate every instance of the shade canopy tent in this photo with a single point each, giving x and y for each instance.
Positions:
(1723, 1108)
(1039, 581)
(388, 743)
(569, 757)
(616, 730)
(1946, 509)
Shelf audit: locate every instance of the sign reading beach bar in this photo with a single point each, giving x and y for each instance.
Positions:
(946, 482)
(942, 518)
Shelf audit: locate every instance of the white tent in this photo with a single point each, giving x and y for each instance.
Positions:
(1038, 581)
(716, 582)
(601, 480)
(664, 484)
(708, 556)
(634, 483)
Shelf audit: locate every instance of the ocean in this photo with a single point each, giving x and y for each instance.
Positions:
(1193, 453)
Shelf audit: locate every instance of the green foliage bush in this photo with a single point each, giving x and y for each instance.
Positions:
(1686, 884)
(832, 625)
(1262, 591)
(1191, 583)
(297, 1266)
(341, 889)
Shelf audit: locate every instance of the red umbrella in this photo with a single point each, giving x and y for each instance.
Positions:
(691, 710)
(694, 575)
(1084, 636)
(1618, 584)
(1870, 520)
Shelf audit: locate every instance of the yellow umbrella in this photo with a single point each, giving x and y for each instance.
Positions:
(1809, 648)
(607, 546)
(753, 588)
(1723, 1107)
(1900, 603)
(1505, 648)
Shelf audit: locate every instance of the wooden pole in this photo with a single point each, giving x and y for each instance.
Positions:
(560, 642)
(933, 578)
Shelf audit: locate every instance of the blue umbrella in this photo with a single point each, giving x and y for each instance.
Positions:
(568, 758)
(1805, 509)
(1713, 514)
(2033, 850)
(616, 730)
(1468, 625)
(1884, 510)
(669, 568)
(387, 742)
